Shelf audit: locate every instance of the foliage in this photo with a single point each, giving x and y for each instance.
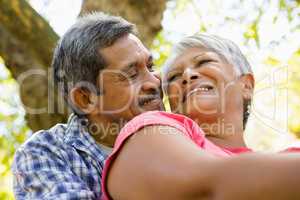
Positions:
(13, 129)
(294, 85)
(161, 49)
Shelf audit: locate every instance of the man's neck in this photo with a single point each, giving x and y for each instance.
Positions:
(103, 130)
(106, 149)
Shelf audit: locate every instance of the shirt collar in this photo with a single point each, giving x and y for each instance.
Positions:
(78, 136)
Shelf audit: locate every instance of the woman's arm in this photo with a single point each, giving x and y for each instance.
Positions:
(162, 163)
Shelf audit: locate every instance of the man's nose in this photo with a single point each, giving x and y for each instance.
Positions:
(152, 82)
(189, 75)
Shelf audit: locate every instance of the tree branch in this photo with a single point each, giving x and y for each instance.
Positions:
(26, 45)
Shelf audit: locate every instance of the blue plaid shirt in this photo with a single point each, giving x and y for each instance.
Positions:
(63, 162)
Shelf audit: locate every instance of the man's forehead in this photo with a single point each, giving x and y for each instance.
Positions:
(125, 51)
(136, 40)
(119, 47)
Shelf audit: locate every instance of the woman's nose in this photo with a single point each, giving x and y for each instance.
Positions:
(189, 75)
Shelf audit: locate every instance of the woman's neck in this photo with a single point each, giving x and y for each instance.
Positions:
(229, 142)
(224, 131)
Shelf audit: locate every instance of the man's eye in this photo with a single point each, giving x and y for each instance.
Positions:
(150, 67)
(133, 75)
(128, 75)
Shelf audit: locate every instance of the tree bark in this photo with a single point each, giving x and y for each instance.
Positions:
(146, 14)
(27, 42)
(26, 45)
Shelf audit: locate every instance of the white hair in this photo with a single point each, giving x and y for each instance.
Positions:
(221, 46)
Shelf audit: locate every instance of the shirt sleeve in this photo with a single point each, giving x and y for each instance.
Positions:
(39, 172)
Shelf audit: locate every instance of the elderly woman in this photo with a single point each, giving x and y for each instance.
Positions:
(197, 152)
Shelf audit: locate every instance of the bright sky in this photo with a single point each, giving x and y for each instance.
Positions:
(61, 14)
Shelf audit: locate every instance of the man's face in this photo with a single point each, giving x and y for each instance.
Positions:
(203, 86)
(128, 83)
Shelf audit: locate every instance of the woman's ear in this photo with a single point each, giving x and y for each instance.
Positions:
(83, 100)
(247, 82)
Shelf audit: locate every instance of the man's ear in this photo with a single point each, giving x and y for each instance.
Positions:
(247, 81)
(83, 100)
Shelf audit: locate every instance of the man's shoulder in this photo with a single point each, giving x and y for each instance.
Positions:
(42, 148)
(53, 136)
(42, 145)
(48, 164)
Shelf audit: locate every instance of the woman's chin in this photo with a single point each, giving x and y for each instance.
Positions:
(201, 107)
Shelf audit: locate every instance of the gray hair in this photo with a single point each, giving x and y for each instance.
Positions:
(225, 48)
(77, 57)
(221, 46)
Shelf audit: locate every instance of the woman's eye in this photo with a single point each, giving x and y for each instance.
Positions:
(202, 62)
(173, 77)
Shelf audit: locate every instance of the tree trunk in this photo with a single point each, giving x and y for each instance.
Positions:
(146, 14)
(26, 45)
(27, 42)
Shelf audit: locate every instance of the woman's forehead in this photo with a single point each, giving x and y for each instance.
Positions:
(190, 55)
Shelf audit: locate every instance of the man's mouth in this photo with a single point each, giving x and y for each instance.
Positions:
(202, 89)
(149, 99)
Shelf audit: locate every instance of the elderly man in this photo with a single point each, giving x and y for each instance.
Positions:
(199, 153)
(106, 76)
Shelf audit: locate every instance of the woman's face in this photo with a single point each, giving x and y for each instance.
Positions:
(203, 86)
